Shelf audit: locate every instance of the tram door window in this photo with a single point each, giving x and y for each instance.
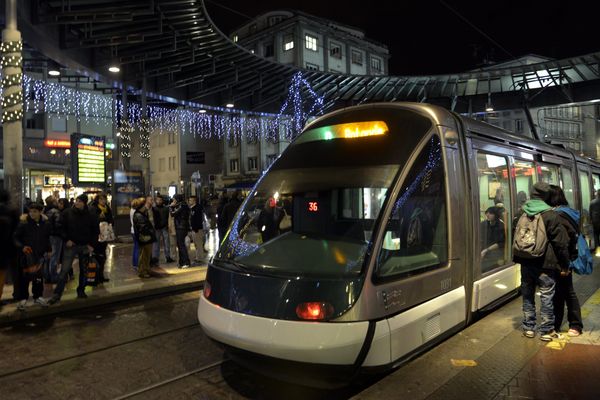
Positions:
(596, 179)
(525, 178)
(416, 238)
(494, 210)
(586, 198)
(567, 186)
(548, 174)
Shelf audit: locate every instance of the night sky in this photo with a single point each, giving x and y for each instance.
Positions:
(436, 37)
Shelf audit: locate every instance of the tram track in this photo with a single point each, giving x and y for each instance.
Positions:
(174, 379)
(98, 350)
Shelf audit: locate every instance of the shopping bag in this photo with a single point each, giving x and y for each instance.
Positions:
(106, 232)
(286, 221)
(90, 270)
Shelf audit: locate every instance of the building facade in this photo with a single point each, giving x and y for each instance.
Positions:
(312, 43)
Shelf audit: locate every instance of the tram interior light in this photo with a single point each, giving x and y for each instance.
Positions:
(229, 105)
(114, 69)
(54, 72)
(488, 106)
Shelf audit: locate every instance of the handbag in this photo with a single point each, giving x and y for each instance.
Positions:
(286, 221)
(106, 232)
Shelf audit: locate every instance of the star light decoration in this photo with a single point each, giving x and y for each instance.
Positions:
(211, 123)
(12, 103)
(124, 134)
(145, 137)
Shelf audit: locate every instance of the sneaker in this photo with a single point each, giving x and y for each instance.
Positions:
(40, 301)
(54, 299)
(82, 295)
(184, 266)
(550, 336)
(529, 334)
(22, 304)
(170, 260)
(573, 332)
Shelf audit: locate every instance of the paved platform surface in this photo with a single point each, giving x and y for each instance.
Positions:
(491, 359)
(124, 282)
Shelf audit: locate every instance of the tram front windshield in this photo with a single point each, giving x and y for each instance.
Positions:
(314, 212)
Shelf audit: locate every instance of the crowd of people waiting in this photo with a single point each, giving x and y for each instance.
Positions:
(39, 246)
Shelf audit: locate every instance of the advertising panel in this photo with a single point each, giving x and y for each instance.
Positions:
(128, 185)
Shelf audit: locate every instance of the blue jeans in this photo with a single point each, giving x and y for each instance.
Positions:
(136, 252)
(545, 280)
(67, 265)
(164, 235)
(57, 243)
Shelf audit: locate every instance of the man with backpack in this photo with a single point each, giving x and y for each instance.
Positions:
(579, 253)
(540, 245)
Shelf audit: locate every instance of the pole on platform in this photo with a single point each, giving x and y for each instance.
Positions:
(12, 105)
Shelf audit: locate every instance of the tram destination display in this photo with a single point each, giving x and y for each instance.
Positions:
(89, 162)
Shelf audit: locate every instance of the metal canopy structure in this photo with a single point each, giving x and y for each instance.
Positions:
(175, 47)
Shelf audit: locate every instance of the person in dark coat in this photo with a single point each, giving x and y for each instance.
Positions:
(269, 219)
(196, 225)
(545, 270)
(492, 238)
(565, 292)
(9, 218)
(161, 224)
(32, 240)
(100, 209)
(145, 235)
(80, 235)
(229, 211)
(181, 217)
(595, 217)
(53, 213)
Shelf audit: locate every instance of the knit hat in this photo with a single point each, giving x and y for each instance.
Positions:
(83, 198)
(540, 191)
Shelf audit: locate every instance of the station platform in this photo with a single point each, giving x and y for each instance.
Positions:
(491, 359)
(124, 282)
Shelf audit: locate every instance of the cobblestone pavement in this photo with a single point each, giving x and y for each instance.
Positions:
(150, 349)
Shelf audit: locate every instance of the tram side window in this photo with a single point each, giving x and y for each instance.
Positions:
(548, 174)
(416, 237)
(567, 185)
(525, 178)
(596, 179)
(494, 211)
(586, 198)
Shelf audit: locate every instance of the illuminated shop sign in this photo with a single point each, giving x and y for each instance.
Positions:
(89, 162)
(56, 143)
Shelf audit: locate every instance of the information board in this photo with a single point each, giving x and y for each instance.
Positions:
(89, 161)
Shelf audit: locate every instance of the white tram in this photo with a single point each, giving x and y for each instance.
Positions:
(362, 244)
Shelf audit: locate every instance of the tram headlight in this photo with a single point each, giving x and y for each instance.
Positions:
(314, 310)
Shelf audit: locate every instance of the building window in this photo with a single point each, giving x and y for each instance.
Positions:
(269, 50)
(35, 121)
(288, 42)
(234, 165)
(312, 67)
(172, 161)
(171, 138)
(235, 38)
(59, 124)
(271, 159)
(335, 50)
(252, 163)
(311, 42)
(518, 125)
(357, 57)
(375, 64)
(274, 20)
